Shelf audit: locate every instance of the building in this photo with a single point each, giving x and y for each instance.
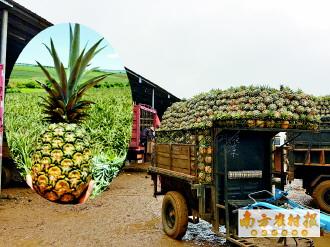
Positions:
(149, 93)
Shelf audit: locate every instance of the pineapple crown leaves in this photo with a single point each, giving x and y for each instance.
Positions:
(64, 102)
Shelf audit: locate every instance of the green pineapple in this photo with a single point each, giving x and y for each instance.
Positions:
(61, 167)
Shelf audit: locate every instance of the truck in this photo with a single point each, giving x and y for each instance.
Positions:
(307, 157)
(214, 156)
(238, 172)
(144, 116)
(309, 160)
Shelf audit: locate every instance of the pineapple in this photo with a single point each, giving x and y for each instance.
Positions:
(61, 167)
(61, 170)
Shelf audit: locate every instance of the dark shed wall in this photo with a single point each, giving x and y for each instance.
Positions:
(23, 25)
(142, 93)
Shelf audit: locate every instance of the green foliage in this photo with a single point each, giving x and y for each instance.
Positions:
(109, 120)
(31, 84)
(23, 125)
(104, 170)
(13, 90)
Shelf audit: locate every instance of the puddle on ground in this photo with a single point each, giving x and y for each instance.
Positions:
(149, 225)
(197, 234)
(201, 234)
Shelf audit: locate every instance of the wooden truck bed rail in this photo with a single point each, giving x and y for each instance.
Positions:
(179, 158)
(179, 175)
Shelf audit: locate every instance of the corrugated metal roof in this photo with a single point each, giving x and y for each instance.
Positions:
(5, 4)
(143, 90)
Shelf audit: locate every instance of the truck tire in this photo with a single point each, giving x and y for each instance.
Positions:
(5, 176)
(321, 195)
(174, 215)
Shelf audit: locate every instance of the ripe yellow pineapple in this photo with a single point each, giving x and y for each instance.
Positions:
(61, 170)
(61, 167)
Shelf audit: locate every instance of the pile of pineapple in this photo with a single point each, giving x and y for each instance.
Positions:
(204, 157)
(202, 139)
(180, 136)
(252, 106)
(323, 108)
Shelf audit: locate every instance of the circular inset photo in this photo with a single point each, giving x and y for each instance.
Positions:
(68, 113)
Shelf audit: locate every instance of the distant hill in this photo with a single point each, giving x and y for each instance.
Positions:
(25, 76)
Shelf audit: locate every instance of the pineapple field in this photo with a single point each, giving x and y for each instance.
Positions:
(108, 126)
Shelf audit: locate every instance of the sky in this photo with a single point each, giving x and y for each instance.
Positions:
(191, 46)
(106, 59)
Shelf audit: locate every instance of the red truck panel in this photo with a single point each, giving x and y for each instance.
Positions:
(135, 140)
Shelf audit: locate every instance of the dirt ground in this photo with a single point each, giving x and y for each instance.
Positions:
(125, 215)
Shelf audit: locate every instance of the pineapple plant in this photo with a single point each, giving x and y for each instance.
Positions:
(61, 169)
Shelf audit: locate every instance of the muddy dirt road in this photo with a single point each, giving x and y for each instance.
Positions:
(125, 215)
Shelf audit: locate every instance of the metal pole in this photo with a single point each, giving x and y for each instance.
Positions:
(282, 169)
(153, 98)
(3, 61)
(226, 191)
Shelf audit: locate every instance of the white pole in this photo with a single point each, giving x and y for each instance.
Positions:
(3, 61)
(153, 98)
(4, 36)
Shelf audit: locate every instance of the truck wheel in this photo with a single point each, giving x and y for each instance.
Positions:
(5, 176)
(174, 215)
(321, 195)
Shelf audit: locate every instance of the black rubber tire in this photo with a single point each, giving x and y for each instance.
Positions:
(5, 176)
(174, 215)
(321, 195)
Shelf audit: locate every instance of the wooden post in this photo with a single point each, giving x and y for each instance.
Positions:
(322, 157)
(189, 153)
(171, 165)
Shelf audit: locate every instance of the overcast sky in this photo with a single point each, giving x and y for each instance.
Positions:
(191, 46)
